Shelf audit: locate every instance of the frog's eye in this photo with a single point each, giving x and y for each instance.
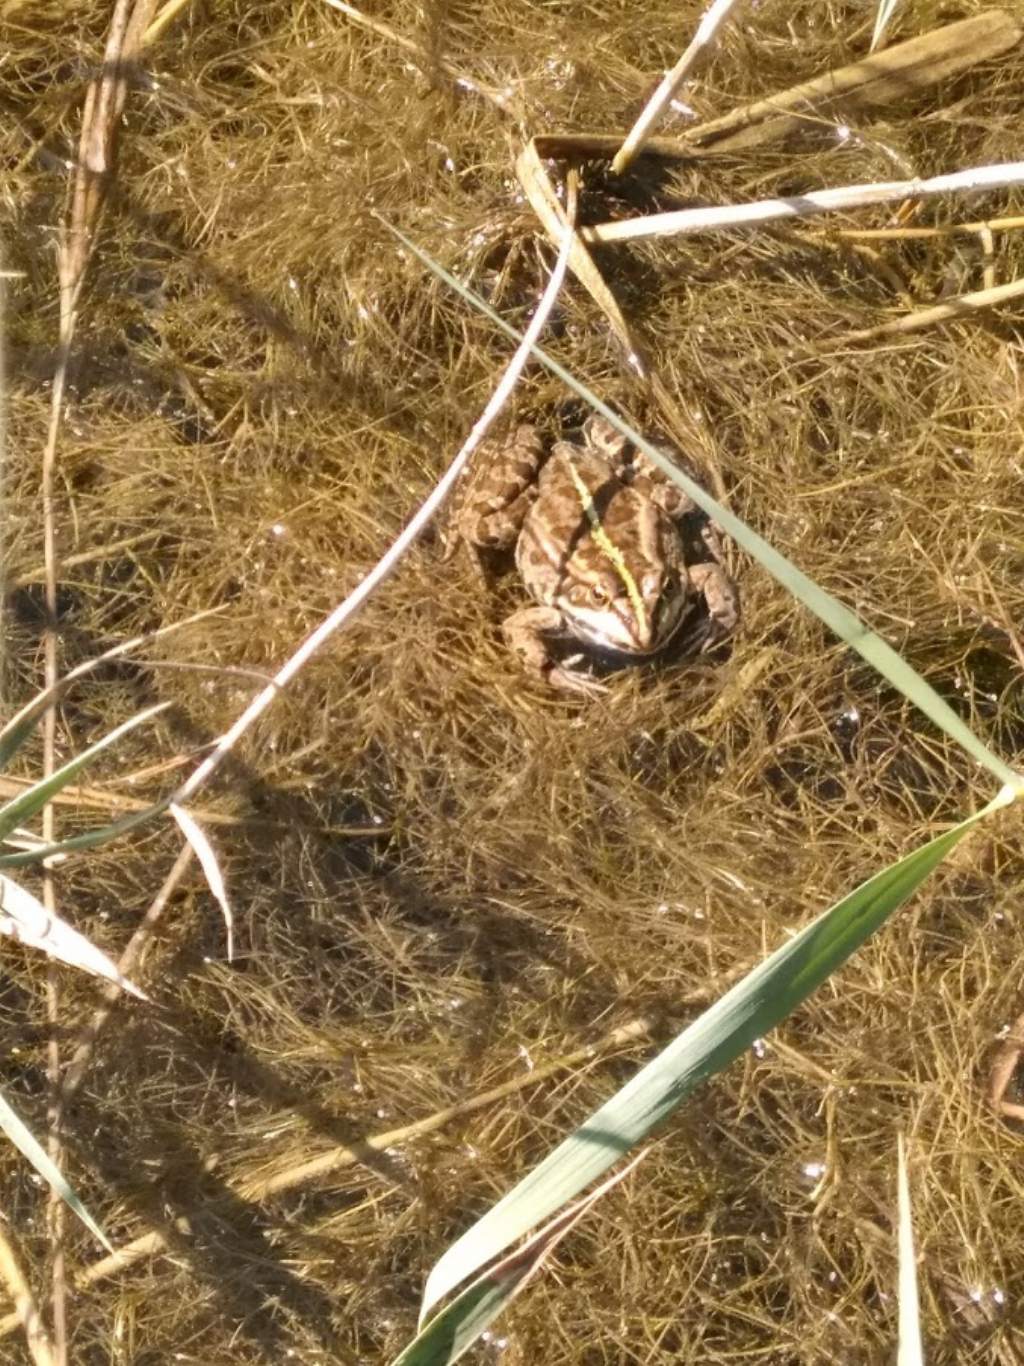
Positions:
(599, 594)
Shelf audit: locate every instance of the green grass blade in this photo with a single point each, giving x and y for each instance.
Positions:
(846, 624)
(89, 839)
(17, 731)
(746, 1012)
(25, 1141)
(33, 799)
(452, 1332)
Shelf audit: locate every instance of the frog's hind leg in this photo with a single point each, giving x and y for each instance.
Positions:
(497, 527)
(494, 534)
(497, 492)
(607, 441)
(655, 484)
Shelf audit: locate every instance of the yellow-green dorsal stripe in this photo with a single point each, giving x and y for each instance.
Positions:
(609, 549)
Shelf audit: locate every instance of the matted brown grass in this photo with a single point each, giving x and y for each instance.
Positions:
(262, 389)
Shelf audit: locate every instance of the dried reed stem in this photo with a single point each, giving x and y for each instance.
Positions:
(815, 202)
(951, 309)
(911, 234)
(847, 93)
(101, 115)
(26, 1311)
(167, 15)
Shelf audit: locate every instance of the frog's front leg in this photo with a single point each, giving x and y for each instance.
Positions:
(714, 585)
(527, 631)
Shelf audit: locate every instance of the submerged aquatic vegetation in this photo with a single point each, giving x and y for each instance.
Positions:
(479, 1275)
(442, 877)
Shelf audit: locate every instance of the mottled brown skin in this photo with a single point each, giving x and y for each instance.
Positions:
(598, 545)
(497, 492)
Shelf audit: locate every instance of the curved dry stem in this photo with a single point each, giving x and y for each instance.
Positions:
(388, 562)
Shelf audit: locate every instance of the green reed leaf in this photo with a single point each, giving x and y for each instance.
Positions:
(28, 1145)
(746, 1012)
(89, 839)
(34, 798)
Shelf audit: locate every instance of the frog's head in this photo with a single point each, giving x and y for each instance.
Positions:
(631, 609)
(623, 585)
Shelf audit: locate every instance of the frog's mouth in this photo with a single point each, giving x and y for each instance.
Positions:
(619, 630)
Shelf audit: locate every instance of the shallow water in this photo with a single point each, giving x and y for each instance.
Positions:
(442, 876)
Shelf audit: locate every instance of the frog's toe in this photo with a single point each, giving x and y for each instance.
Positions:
(566, 679)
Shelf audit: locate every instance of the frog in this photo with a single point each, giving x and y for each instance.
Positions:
(615, 557)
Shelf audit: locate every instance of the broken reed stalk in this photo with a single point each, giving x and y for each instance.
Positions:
(633, 145)
(543, 198)
(167, 15)
(846, 93)
(26, 1311)
(963, 306)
